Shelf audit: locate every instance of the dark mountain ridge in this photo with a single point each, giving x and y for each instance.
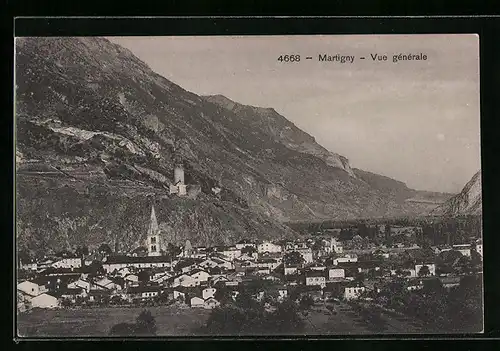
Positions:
(99, 133)
(467, 202)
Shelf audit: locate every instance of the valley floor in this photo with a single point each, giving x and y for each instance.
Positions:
(97, 322)
(176, 321)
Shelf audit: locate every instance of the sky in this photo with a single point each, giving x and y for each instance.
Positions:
(415, 121)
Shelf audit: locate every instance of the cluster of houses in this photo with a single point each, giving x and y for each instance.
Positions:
(202, 277)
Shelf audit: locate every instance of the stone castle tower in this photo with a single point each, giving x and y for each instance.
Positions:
(179, 187)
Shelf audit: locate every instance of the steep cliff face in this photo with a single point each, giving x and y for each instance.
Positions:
(96, 127)
(281, 130)
(467, 202)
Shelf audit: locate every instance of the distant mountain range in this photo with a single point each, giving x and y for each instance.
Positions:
(99, 133)
(467, 202)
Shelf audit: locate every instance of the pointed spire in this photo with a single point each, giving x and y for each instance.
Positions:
(153, 224)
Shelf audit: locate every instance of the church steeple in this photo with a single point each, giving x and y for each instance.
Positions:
(153, 238)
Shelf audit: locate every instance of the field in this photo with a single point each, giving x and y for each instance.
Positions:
(95, 322)
(347, 320)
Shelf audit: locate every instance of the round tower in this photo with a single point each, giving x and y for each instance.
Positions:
(179, 174)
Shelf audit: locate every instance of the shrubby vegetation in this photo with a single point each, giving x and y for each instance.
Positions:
(247, 316)
(145, 325)
(438, 308)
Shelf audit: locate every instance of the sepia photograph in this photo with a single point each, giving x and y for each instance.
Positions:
(180, 186)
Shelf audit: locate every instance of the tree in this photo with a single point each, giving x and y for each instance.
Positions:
(123, 329)
(173, 251)
(96, 269)
(306, 302)
(286, 318)
(105, 249)
(144, 276)
(248, 250)
(145, 323)
(424, 271)
(82, 251)
(293, 258)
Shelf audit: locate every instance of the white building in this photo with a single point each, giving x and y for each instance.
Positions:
(232, 253)
(289, 270)
(346, 258)
(208, 292)
(479, 249)
(199, 276)
(316, 279)
(306, 254)
(44, 301)
(267, 246)
(244, 243)
(335, 273)
(120, 262)
(464, 249)
(30, 288)
(431, 266)
(353, 291)
(68, 262)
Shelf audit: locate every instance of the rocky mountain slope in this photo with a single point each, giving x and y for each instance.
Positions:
(98, 134)
(467, 202)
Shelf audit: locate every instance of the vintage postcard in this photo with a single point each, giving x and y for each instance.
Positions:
(248, 186)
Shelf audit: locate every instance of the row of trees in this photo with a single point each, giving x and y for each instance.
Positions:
(247, 316)
(448, 310)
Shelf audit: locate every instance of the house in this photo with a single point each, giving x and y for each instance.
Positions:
(244, 243)
(368, 266)
(315, 278)
(99, 295)
(267, 246)
(479, 247)
(197, 302)
(271, 277)
(29, 266)
(313, 291)
(307, 254)
(450, 282)
(199, 275)
(208, 292)
(208, 263)
(73, 293)
(211, 303)
(345, 259)
(183, 280)
(68, 262)
(44, 300)
(334, 273)
(160, 278)
(131, 279)
(267, 263)
(111, 263)
(143, 292)
(353, 290)
(381, 253)
(430, 266)
(207, 303)
(177, 294)
(31, 289)
(80, 284)
(464, 249)
(291, 269)
(231, 253)
(317, 267)
(107, 284)
(414, 284)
